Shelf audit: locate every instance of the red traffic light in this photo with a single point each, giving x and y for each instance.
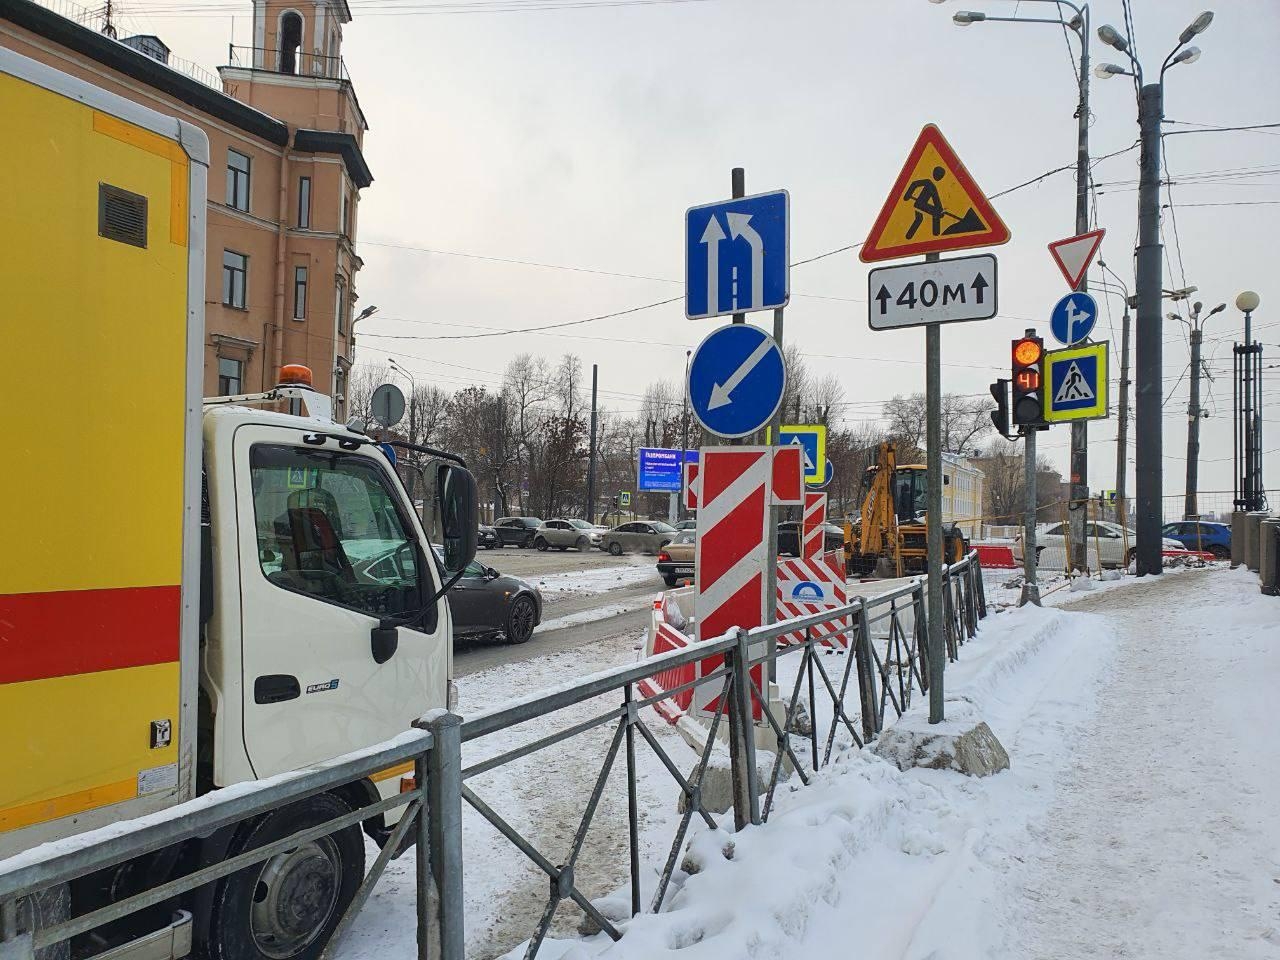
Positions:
(1027, 351)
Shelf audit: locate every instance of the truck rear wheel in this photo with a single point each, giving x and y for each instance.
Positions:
(287, 907)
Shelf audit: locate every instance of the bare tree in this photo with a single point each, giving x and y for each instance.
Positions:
(964, 421)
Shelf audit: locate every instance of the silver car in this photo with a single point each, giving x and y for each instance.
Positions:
(567, 535)
(639, 536)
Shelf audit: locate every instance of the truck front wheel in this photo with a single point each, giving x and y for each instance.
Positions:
(286, 908)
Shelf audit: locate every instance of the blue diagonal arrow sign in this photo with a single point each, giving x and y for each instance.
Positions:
(736, 379)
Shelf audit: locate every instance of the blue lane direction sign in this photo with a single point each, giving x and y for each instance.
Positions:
(736, 255)
(659, 469)
(828, 474)
(1073, 318)
(736, 379)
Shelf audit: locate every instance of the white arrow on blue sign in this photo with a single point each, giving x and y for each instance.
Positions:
(736, 380)
(1073, 318)
(736, 254)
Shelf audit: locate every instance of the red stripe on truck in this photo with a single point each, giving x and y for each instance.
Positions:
(67, 632)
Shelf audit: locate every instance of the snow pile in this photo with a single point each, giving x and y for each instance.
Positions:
(595, 580)
(867, 854)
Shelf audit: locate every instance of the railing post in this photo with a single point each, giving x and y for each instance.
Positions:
(981, 588)
(439, 868)
(921, 628)
(742, 741)
(867, 675)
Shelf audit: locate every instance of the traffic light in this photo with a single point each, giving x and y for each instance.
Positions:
(1028, 376)
(1000, 415)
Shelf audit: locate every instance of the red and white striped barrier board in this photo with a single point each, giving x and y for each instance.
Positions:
(667, 637)
(736, 487)
(813, 542)
(691, 486)
(809, 586)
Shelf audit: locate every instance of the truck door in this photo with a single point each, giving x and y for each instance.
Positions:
(328, 546)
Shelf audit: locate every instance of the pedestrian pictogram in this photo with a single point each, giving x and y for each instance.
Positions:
(1074, 388)
(1073, 318)
(934, 205)
(1074, 254)
(1076, 383)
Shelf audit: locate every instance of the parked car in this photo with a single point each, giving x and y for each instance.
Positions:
(486, 603)
(789, 543)
(676, 559)
(639, 536)
(516, 531)
(567, 534)
(1051, 545)
(487, 537)
(690, 524)
(1213, 538)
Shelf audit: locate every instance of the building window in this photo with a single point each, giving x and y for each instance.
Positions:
(339, 309)
(230, 376)
(235, 273)
(304, 203)
(299, 293)
(290, 42)
(343, 212)
(237, 180)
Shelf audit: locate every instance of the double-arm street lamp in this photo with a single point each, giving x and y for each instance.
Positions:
(1077, 23)
(1149, 357)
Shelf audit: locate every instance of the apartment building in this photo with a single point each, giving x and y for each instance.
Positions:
(286, 169)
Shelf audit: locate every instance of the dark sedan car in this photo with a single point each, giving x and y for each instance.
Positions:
(487, 537)
(488, 604)
(516, 531)
(789, 544)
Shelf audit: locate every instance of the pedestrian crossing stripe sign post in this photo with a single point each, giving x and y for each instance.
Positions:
(811, 438)
(1076, 383)
(934, 205)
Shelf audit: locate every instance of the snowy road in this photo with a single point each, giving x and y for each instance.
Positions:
(1165, 840)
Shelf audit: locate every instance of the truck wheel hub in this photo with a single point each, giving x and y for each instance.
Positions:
(295, 897)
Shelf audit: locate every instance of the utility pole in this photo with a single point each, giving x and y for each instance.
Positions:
(1078, 505)
(684, 439)
(1191, 504)
(1122, 427)
(591, 452)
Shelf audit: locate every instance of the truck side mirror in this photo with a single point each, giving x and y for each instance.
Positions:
(459, 516)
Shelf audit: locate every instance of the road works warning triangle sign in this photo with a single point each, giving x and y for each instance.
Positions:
(1074, 254)
(934, 205)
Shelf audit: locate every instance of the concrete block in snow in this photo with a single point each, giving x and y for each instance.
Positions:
(967, 746)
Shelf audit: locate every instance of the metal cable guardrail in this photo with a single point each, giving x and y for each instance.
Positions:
(883, 639)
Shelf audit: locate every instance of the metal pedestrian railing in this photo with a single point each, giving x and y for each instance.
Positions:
(884, 640)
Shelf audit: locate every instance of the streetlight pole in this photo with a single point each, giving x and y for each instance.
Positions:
(1247, 414)
(1078, 499)
(1150, 359)
(413, 398)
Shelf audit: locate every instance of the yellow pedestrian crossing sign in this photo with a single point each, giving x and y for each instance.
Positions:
(1076, 383)
(811, 438)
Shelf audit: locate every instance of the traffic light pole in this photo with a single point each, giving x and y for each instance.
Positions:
(1030, 588)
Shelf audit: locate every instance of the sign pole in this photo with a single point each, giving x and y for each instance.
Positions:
(933, 528)
(775, 514)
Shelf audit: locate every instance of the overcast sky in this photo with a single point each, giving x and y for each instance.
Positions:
(577, 137)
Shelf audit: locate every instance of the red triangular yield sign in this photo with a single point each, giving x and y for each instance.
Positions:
(1074, 254)
(934, 205)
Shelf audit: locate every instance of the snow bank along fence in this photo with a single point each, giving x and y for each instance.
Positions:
(888, 655)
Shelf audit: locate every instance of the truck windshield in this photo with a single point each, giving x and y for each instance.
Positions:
(328, 526)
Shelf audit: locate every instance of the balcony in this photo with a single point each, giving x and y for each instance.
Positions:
(296, 62)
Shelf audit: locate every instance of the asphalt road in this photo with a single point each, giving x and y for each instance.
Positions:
(624, 609)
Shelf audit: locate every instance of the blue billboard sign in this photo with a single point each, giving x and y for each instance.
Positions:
(660, 469)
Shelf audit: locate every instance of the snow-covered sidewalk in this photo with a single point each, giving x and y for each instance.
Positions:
(1138, 818)
(1165, 838)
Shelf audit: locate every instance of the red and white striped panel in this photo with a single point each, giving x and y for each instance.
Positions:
(691, 486)
(806, 587)
(732, 548)
(814, 536)
(667, 638)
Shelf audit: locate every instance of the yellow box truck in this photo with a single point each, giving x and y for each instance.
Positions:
(192, 593)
